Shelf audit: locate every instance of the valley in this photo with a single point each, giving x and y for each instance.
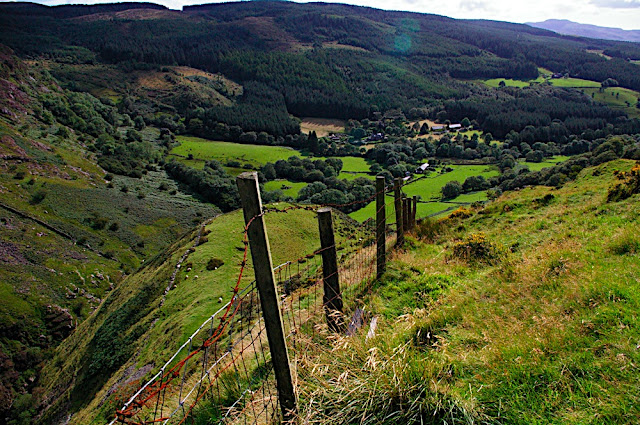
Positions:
(123, 128)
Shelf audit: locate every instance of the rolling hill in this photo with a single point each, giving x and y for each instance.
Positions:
(96, 213)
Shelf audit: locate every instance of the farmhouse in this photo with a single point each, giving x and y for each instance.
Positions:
(455, 127)
(438, 128)
(423, 168)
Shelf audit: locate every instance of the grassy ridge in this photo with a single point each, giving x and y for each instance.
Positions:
(523, 313)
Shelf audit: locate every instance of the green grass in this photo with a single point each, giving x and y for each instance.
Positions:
(194, 298)
(205, 150)
(495, 82)
(548, 162)
(428, 189)
(618, 98)
(294, 187)
(557, 82)
(573, 83)
(545, 333)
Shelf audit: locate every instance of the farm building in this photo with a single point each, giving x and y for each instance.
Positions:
(438, 128)
(455, 127)
(423, 168)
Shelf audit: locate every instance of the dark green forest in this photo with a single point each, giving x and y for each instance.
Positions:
(334, 61)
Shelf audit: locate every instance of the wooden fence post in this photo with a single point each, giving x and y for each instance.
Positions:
(381, 225)
(398, 207)
(406, 211)
(332, 299)
(266, 283)
(414, 212)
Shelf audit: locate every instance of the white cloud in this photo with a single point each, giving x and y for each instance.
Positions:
(617, 4)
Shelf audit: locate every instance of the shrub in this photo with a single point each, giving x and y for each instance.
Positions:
(38, 197)
(98, 223)
(451, 190)
(626, 243)
(476, 248)
(461, 212)
(114, 226)
(214, 263)
(628, 186)
(429, 229)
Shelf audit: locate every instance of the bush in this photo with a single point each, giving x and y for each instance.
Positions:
(476, 248)
(628, 186)
(429, 229)
(461, 212)
(214, 263)
(451, 190)
(626, 243)
(38, 197)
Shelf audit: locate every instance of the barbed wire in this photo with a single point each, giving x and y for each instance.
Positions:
(301, 302)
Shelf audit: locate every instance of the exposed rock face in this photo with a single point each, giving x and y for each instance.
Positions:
(59, 321)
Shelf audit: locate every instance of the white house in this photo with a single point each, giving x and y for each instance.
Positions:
(423, 168)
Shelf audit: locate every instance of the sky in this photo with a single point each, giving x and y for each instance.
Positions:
(607, 13)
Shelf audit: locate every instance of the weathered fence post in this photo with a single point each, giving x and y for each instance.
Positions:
(266, 283)
(414, 212)
(398, 207)
(406, 211)
(381, 225)
(332, 298)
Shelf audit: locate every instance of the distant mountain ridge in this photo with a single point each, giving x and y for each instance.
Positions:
(563, 26)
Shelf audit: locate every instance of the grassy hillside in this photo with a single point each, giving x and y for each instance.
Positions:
(139, 326)
(70, 231)
(521, 312)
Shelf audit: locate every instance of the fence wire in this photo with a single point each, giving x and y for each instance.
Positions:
(223, 371)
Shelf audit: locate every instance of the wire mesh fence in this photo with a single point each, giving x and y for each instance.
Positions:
(223, 373)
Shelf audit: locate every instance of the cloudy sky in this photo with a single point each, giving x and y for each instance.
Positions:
(609, 13)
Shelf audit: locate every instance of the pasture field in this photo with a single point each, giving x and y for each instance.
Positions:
(557, 82)
(294, 187)
(205, 150)
(322, 126)
(428, 189)
(495, 82)
(618, 98)
(548, 162)
(573, 83)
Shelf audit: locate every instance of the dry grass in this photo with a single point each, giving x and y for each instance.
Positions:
(322, 126)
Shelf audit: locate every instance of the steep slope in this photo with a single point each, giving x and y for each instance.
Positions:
(68, 237)
(146, 318)
(524, 311)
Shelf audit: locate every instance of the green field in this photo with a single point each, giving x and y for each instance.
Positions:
(205, 150)
(293, 187)
(557, 82)
(573, 82)
(548, 162)
(428, 189)
(618, 98)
